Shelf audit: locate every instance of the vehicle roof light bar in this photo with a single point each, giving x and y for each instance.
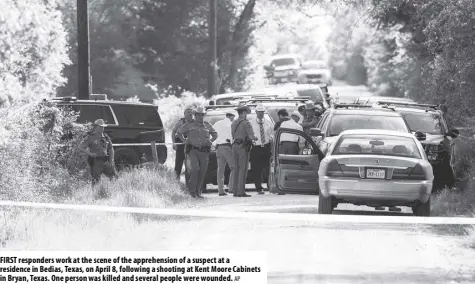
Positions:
(409, 104)
(351, 105)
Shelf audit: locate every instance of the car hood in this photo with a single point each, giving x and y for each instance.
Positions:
(432, 139)
(285, 67)
(314, 71)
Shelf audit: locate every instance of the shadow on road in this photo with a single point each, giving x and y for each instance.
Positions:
(428, 276)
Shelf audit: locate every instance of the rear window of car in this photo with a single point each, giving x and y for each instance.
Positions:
(283, 61)
(385, 145)
(130, 115)
(342, 122)
(429, 123)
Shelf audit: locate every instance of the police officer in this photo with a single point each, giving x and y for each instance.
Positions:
(243, 137)
(311, 120)
(198, 146)
(98, 146)
(180, 149)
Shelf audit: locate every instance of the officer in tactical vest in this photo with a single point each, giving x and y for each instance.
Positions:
(198, 146)
(98, 146)
(243, 139)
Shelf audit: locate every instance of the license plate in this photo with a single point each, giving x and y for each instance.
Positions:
(284, 79)
(375, 173)
(315, 81)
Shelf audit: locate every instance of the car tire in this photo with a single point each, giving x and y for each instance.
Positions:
(325, 204)
(125, 158)
(422, 210)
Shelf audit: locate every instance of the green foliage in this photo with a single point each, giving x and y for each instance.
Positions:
(32, 50)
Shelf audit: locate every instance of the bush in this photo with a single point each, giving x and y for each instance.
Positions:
(33, 167)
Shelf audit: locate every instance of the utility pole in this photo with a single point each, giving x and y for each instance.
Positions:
(84, 82)
(212, 27)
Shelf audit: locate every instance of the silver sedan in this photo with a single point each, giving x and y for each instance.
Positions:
(376, 168)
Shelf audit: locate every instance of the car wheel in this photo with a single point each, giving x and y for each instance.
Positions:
(422, 210)
(125, 159)
(325, 205)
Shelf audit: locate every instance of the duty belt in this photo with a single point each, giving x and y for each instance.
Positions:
(238, 141)
(224, 144)
(262, 145)
(202, 148)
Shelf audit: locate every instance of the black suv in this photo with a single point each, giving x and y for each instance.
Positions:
(343, 117)
(127, 123)
(440, 135)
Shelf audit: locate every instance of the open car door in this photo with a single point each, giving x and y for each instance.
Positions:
(297, 172)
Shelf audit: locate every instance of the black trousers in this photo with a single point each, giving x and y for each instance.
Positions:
(260, 163)
(179, 158)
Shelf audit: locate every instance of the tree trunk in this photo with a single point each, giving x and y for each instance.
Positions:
(238, 43)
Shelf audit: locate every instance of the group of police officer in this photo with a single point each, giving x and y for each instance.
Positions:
(193, 138)
(238, 142)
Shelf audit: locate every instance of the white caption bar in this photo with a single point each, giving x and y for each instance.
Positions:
(131, 267)
(331, 219)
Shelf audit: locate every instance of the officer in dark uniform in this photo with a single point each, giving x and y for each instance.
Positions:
(180, 149)
(198, 146)
(243, 138)
(311, 120)
(98, 146)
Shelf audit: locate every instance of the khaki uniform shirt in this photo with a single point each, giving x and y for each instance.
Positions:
(308, 124)
(198, 133)
(179, 124)
(242, 128)
(100, 145)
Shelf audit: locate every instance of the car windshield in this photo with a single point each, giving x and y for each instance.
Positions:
(314, 95)
(385, 145)
(425, 122)
(315, 65)
(282, 61)
(342, 122)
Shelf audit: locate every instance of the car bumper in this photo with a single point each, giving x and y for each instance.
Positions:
(391, 190)
(313, 81)
(286, 79)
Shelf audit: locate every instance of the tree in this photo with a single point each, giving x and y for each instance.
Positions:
(33, 50)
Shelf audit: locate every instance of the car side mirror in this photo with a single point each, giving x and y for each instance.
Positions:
(314, 132)
(420, 135)
(267, 68)
(454, 133)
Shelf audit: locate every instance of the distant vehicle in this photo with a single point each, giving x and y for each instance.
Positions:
(440, 144)
(375, 168)
(376, 99)
(127, 123)
(283, 68)
(349, 116)
(315, 92)
(315, 72)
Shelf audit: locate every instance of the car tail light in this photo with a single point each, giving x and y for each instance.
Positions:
(415, 173)
(334, 169)
(350, 171)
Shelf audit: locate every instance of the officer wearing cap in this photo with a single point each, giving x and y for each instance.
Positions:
(98, 146)
(311, 120)
(243, 137)
(261, 151)
(224, 151)
(198, 145)
(180, 149)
